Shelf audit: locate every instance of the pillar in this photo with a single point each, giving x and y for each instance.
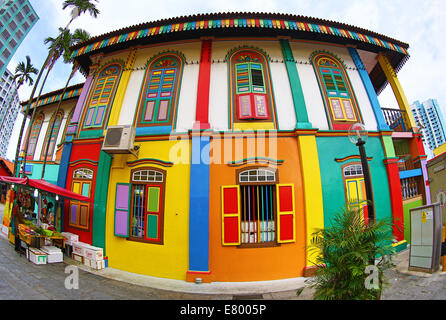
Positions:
(204, 78)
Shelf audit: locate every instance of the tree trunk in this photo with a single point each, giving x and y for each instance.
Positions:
(54, 121)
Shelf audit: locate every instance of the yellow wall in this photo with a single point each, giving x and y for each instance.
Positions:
(441, 149)
(171, 259)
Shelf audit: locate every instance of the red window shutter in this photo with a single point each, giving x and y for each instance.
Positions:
(285, 213)
(260, 106)
(230, 198)
(244, 106)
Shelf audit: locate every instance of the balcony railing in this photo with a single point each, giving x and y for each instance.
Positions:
(409, 187)
(397, 119)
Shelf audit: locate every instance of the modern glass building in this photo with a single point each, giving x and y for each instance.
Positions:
(17, 17)
(429, 118)
(9, 108)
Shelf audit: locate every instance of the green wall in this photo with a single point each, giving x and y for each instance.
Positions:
(51, 172)
(407, 205)
(331, 148)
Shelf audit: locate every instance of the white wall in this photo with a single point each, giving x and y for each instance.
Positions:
(313, 98)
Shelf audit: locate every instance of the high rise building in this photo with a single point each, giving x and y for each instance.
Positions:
(17, 17)
(429, 118)
(9, 108)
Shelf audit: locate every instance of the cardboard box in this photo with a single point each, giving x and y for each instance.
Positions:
(79, 248)
(54, 254)
(96, 264)
(4, 231)
(36, 256)
(78, 258)
(94, 253)
(70, 238)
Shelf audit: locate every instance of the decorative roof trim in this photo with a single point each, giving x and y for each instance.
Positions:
(246, 20)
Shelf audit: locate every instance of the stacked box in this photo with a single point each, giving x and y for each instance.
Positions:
(36, 256)
(95, 264)
(70, 238)
(79, 248)
(78, 258)
(94, 253)
(54, 254)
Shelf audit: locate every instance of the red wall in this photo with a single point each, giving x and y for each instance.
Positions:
(87, 156)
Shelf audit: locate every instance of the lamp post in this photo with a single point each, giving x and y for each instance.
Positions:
(358, 136)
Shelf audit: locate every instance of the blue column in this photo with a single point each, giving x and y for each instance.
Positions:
(382, 125)
(199, 205)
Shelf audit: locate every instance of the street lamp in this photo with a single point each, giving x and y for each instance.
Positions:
(358, 136)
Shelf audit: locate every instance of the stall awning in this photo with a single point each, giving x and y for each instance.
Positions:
(45, 186)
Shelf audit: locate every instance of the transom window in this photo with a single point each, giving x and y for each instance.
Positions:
(83, 173)
(147, 176)
(257, 175)
(353, 170)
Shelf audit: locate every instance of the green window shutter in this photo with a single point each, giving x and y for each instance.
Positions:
(153, 212)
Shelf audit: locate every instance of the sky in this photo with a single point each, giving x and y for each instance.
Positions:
(421, 24)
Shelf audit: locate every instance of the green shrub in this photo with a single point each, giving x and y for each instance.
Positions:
(345, 250)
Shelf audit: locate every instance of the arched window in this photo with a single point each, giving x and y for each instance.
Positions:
(250, 88)
(34, 136)
(159, 94)
(57, 119)
(67, 124)
(97, 110)
(139, 206)
(341, 106)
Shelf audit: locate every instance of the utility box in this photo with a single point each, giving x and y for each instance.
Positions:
(436, 170)
(425, 245)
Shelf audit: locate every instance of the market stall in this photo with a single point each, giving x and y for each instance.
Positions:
(33, 216)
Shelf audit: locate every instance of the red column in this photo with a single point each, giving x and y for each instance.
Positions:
(396, 198)
(204, 77)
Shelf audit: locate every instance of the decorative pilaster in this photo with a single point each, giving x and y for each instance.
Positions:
(199, 209)
(379, 116)
(296, 87)
(204, 78)
(314, 210)
(122, 88)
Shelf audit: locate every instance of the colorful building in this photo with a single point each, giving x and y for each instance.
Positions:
(236, 127)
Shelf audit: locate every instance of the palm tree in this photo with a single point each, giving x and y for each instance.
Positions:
(56, 50)
(78, 7)
(79, 35)
(82, 6)
(22, 74)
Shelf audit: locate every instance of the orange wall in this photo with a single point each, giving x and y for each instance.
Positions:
(230, 263)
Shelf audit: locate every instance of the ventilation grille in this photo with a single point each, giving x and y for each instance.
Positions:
(113, 137)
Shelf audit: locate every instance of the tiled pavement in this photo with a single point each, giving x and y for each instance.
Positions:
(23, 280)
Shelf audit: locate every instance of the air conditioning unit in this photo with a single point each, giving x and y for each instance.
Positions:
(119, 139)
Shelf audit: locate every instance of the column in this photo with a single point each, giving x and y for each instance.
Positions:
(379, 116)
(314, 209)
(397, 89)
(296, 87)
(122, 88)
(204, 78)
(199, 209)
